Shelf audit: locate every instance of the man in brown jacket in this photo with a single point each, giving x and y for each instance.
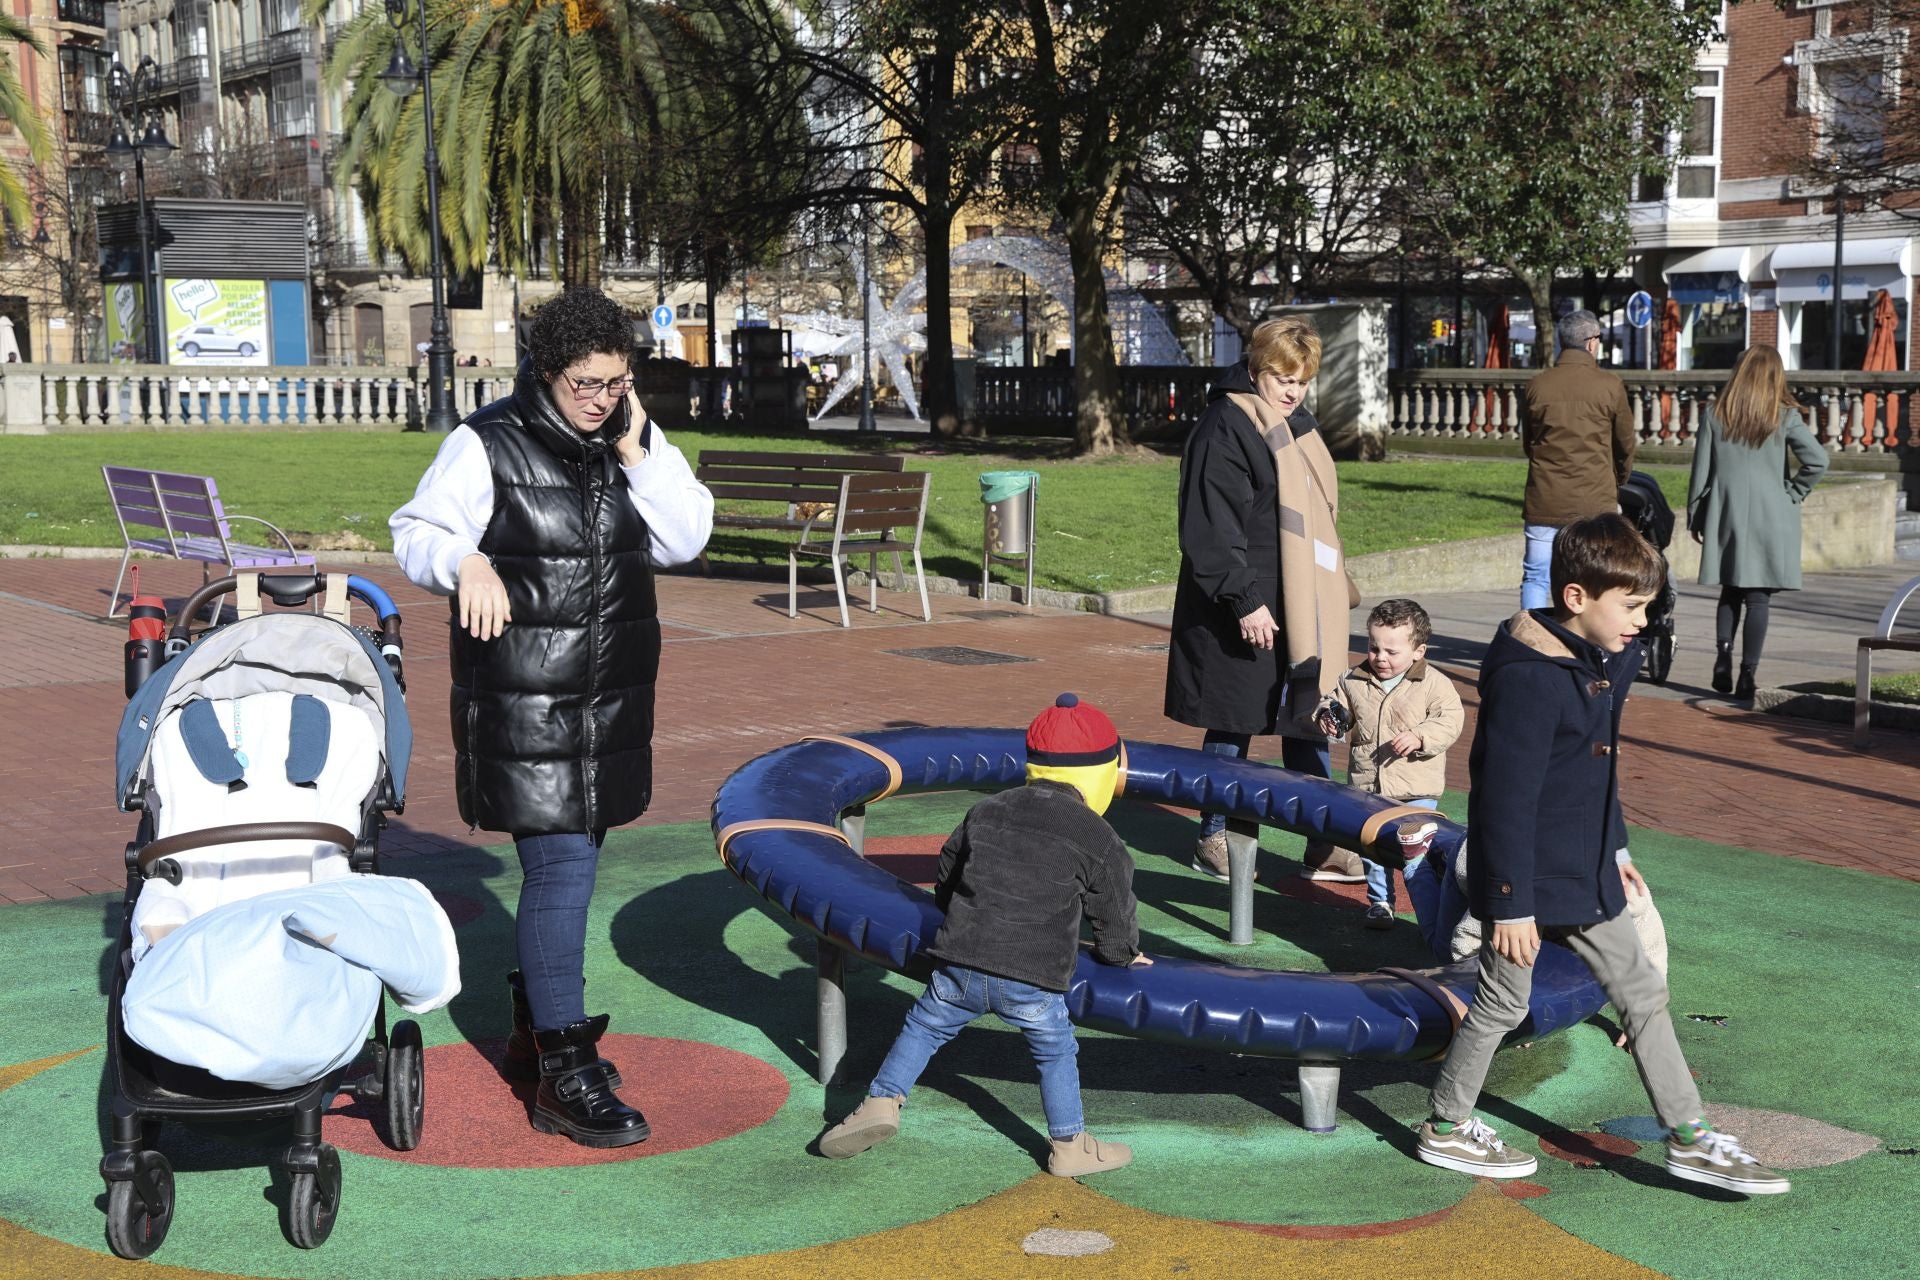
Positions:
(1578, 433)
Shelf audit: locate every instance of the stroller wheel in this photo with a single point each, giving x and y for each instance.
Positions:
(315, 1201)
(406, 1087)
(135, 1225)
(1660, 659)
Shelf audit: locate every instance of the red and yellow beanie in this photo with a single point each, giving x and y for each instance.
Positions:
(1074, 742)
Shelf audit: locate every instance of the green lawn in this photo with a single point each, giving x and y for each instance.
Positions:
(1103, 526)
(1904, 687)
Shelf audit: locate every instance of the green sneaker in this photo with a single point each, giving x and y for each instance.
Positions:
(1472, 1148)
(1717, 1160)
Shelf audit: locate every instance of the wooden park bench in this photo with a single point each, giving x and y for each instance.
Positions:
(803, 494)
(186, 521)
(1883, 639)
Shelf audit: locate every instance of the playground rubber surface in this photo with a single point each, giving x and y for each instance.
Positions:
(1793, 984)
(712, 1004)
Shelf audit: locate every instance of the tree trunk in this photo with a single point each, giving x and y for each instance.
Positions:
(1099, 426)
(710, 398)
(939, 393)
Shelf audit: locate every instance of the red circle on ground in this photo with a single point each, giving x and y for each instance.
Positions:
(692, 1094)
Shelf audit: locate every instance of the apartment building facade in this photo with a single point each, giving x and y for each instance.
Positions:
(1742, 235)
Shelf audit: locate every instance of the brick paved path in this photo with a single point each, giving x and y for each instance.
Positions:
(738, 678)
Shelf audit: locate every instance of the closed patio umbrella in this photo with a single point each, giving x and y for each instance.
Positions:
(1882, 357)
(1669, 359)
(1499, 356)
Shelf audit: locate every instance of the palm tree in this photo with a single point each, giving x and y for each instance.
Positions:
(16, 106)
(543, 111)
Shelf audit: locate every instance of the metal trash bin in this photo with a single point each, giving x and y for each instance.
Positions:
(1007, 534)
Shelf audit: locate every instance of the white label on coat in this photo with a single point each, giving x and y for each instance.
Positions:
(1327, 557)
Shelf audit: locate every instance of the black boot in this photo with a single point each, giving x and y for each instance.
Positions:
(576, 1096)
(1743, 687)
(522, 1060)
(1723, 669)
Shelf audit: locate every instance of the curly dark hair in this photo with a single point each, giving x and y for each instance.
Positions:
(577, 324)
(1403, 613)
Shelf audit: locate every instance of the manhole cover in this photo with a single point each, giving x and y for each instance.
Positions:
(958, 655)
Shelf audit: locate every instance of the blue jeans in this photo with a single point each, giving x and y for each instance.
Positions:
(1536, 572)
(957, 996)
(1315, 759)
(1379, 879)
(550, 932)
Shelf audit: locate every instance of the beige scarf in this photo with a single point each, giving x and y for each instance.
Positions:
(1313, 621)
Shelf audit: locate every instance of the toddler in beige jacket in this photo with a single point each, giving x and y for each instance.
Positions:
(1399, 716)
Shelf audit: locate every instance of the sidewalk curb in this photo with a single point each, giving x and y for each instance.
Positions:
(1832, 708)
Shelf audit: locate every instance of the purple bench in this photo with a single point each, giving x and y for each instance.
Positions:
(187, 522)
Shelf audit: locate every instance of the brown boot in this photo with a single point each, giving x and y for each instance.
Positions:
(1326, 862)
(1082, 1154)
(872, 1123)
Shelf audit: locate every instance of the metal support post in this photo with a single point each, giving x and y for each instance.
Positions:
(831, 1009)
(1319, 1096)
(1241, 848)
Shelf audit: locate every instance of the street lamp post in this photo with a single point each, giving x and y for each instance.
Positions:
(401, 77)
(136, 131)
(866, 324)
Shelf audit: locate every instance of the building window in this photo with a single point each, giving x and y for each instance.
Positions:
(1848, 84)
(1699, 166)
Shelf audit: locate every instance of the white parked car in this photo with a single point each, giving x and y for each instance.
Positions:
(208, 339)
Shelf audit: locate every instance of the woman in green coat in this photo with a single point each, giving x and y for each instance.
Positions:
(1743, 505)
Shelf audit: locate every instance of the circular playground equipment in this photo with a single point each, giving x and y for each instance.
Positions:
(791, 824)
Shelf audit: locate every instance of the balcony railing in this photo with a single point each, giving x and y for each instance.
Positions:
(170, 77)
(83, 13)
(259, 55)
(1848, 411)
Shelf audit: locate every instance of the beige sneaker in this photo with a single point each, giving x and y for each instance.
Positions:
(1717, 1159)
(1210, 855)
(1082, 1154)
(872, 1123)
(1325, 862)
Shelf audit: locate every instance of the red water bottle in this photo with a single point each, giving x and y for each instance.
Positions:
(147, 636)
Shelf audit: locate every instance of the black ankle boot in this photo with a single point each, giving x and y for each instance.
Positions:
(576, 1096)
(1743, 687)
(522, 1060)
(1723, 669)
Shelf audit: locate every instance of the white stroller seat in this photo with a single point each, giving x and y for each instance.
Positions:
(252, 741)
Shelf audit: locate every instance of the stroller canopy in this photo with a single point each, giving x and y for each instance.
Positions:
(295, 652)
(1642, 502)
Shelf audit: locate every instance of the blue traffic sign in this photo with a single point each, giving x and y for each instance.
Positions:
(1640, 309)
(663, 316)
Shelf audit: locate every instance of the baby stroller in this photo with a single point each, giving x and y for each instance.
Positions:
(322, 820)
(1642, 502)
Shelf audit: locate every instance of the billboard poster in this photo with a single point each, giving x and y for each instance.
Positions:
(217, 322)
(126, 323)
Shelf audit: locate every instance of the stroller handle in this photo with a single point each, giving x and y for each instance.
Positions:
(289, 590)
(161, 851)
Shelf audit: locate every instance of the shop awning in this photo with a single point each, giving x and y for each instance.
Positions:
(1719, 274)
(1805, 270)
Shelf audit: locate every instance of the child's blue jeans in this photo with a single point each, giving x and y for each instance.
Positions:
(550, 928)
(957, 996)
(1379, 879)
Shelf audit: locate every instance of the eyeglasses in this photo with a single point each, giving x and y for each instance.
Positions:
(590, 388)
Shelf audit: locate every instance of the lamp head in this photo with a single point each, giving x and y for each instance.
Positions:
(401, 77)
(155, 138)
(118, 147)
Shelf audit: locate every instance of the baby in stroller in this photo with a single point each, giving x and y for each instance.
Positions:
(262, 758)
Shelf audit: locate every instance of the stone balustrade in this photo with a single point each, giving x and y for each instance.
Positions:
(41, 398)
(1850, 412)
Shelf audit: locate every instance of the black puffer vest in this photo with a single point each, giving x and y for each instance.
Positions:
(553, 721)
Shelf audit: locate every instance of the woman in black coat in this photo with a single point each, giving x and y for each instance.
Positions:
(1227, 666)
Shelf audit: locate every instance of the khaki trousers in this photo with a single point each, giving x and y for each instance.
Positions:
(1638, 992)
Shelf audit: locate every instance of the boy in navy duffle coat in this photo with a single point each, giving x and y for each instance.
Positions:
(1545, 833)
